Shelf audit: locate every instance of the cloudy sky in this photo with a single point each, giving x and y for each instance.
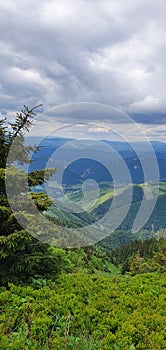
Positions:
(105, 51)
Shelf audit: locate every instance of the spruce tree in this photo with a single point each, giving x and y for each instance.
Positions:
(21, 255)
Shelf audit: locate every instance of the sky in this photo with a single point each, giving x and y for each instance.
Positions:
(110, 52)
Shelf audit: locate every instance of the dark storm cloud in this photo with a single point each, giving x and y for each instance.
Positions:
(112, 52)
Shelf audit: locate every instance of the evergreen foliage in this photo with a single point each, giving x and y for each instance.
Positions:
(21, 255)
(142, 256)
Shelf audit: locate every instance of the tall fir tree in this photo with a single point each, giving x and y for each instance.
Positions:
(21, 255)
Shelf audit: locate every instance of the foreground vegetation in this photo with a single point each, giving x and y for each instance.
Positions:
(86, 312)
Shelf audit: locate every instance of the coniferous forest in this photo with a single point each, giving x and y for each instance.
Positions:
(109, 296)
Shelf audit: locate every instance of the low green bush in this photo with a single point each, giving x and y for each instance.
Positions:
(84, 312)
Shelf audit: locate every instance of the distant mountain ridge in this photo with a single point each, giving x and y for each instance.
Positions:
(79, 169)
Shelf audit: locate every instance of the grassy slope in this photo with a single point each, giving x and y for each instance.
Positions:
(102, 205)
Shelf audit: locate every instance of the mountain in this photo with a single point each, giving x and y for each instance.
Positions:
(84, 168)
(95, 211)
(75, 175)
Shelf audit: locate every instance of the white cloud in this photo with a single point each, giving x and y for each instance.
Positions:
(99, 128)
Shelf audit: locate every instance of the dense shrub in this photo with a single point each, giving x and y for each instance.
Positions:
(86, 312)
